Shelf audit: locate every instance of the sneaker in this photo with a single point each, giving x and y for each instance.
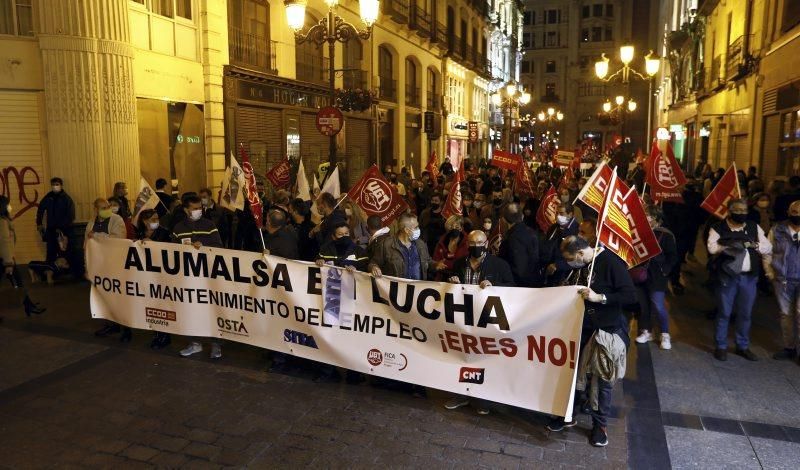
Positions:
(665, 342)
(483, 411)
(598, 438)
(193, 348)
(721, 354)
(558, 424)
(107, 330)
(216, 351)
(747, 354)
(785, 354)
(456, 402)
(644, 337)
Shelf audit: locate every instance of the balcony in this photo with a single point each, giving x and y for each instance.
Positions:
(412, 96)
(250, 50)
(397, 9)
(387, 89)
(713, 75)
(312, 68)
(420, 21)
(738, 62)
(469, 55)
(440, 35)
(355, 80)
(434, 101)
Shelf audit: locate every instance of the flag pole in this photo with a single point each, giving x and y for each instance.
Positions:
(609, 193)
(736, 175)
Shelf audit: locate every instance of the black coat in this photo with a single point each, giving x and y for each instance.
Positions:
(353, 255)
(493, 269)
(660, 267)
(282, 243)
(520, 249)
(610, 277)
(328, 223)
(308, 247)
(59, 208)
(166, 202)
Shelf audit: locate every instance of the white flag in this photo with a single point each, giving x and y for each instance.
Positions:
(234, 187)
(303, 191)
(315, 189)
(331, 186)
(146, 199)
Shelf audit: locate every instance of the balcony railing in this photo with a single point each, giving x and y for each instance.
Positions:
(397, 9)
(434, 101)
(441, 34)
(387, 89)
(713, 75)
(421, 21)
(312, 68)
(736, 58)
(354, 80)
(470, 56)
(412, 96)
(251, 50)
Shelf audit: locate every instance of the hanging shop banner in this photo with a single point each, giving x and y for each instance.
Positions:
(484, 343)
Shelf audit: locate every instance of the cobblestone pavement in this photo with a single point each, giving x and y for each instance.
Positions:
(68, 399)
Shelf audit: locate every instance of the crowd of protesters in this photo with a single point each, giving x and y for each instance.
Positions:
(496, 241)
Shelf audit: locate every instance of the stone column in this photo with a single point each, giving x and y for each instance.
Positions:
(87, 62)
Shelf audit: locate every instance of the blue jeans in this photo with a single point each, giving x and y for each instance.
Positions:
(788, 295)
(735, 295)
(652, 301)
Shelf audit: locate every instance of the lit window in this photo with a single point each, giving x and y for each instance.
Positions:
(16, 17)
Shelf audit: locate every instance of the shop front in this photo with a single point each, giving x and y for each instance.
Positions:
(456, 139)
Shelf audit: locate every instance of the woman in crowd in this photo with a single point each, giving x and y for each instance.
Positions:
(148, 228)
(8, 239)
(760, 211)
(451, 247)
(357, 221)
(130, 230)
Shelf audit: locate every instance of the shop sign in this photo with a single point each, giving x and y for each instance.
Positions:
(283, 96)
(329, 121)
(473, 131)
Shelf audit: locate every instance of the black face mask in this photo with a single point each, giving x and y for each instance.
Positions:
(453, 234)
(794, 219)
(477, 251)
(434, 206)
(342, 242)
(497, 201)
(738, 218)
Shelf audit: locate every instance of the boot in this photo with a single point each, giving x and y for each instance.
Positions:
(126, 335)
(31, 307)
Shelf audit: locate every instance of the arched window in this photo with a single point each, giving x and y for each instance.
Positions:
(412, 84)
(386, 74)
(433, 90)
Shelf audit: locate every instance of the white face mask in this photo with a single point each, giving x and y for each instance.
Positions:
(115, 209)
(478, 204)
(415, 234)
(196, 214)
(487, 226)
(562, 219)
(153, 225)
(348, 212)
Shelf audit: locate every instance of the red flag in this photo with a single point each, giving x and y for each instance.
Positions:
(506, 160)
(644, 242)
(614, 232)
(726, 189)
(453, 204)
(376, 196)
(593, 192)
(433, 167)
(279, 174)
(252, 192)
(664, 175)
(548, 209)
(522, 181)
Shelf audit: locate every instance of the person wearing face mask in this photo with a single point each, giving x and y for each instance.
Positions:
(651, 287)
(520, 248)
(494, 208)
(451, 246)
(782, 267)
(300, 215)
(148, 228)
(604, 324)
(121, 195)
(472, 217)
(57, 210)
(332, 215)
(106, 224)
(761, 211)
(399, 186)
(432, 222)
(8, 239)
(197, 231)
(736, 246)
(357, 221)
(221, 216)
(482, 269)
(130, 230)
(554, 266)
(403, 254)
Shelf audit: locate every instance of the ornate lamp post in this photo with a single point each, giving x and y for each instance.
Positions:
(618, 111)
(652, 63)
(331, 29)
(509, 97)
(550, 116)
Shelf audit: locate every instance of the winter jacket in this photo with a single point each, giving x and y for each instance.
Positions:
(8, 239)
(520, 249)
(58, 208)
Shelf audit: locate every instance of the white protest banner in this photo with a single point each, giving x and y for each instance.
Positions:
(487, 343)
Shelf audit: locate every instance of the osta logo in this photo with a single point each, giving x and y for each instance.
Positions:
(471, 375)
(235, 327)
(375, 357)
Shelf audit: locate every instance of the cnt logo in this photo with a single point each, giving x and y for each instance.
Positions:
(232, 326)
(291, 336)
(471, 375)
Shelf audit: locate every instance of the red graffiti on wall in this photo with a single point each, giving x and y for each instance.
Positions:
(25, 195)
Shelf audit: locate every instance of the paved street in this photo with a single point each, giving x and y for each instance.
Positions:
(70, 399)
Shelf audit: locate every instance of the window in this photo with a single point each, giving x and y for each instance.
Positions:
(609, 34)
(526, 40)
(550, 90)
(585, 35)
(526, 18)
(412, 91)
(597, 34)
(163, 8)
(597, 9)
(552, 16)
(183, 8)
(248, 34)
(533, 17)
(791, 15)
(16, 17)
(169, 27)
(610, 10)
(550, 66)
(525, 66)
(585, 11)
(551, 39)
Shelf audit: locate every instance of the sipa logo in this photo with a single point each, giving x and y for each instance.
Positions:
(232, 326)
(375, 357)
(291, 336)
(377, 195)
(471, 375)
(665, 173)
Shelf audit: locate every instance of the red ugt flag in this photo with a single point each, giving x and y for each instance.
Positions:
(522, 181)
(548, 209)
(279, 174)
(728, 188)
(453, 204)
(252, 192)
(664, 175)
(376, 196)
(433, 167)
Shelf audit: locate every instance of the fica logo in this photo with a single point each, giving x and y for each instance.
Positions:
(235, 327)
(471, 375)
(291, 336)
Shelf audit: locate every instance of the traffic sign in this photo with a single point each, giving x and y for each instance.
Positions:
(329, 121)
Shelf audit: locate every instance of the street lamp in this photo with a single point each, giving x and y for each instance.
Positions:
(550, 115)
(652, 64)
(618, 112)
(330, 29)
(509, 97)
